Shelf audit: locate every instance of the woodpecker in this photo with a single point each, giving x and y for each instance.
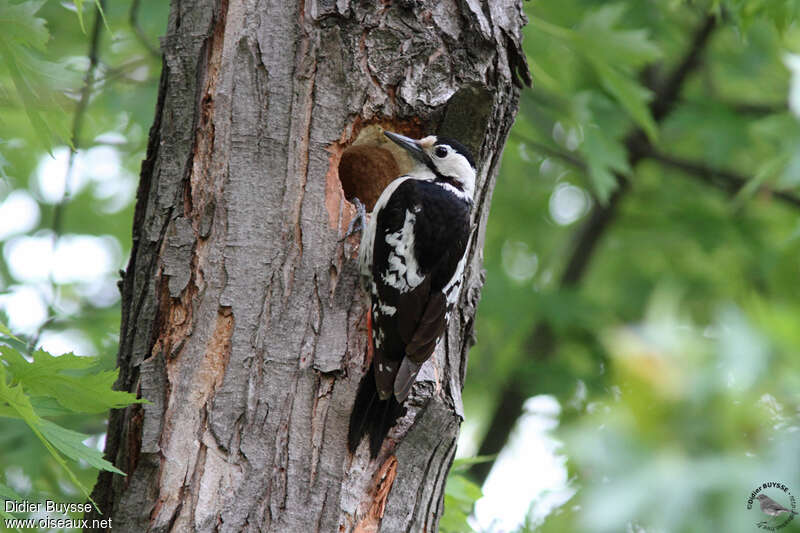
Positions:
(411, 260)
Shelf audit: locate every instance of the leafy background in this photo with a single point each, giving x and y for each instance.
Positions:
(76, 102)
(637, 362)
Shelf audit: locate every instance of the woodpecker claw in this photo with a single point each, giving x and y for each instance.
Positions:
(358, 223)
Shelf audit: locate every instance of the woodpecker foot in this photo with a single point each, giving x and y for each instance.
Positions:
(359, 221)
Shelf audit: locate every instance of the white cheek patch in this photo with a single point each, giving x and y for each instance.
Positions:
(456, 166)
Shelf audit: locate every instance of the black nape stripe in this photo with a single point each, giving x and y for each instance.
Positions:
(458, 147)
(441, 178)
(449, 181)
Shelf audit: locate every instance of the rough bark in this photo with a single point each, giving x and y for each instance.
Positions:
(243, 323)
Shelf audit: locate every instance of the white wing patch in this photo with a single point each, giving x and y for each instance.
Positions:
(379, 337)
(402, 271)
(453, 287)
(388, 310)
(367, 246)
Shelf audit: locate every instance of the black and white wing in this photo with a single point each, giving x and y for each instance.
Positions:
(420, 240)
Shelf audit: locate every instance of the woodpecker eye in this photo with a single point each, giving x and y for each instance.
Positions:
(441, 151)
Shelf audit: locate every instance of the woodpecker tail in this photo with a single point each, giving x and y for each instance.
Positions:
(372, 416)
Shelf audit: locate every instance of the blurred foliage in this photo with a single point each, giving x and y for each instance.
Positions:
(676, 353)
(460, 495)
(67, 183)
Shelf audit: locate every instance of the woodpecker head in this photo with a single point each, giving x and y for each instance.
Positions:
(442, 160)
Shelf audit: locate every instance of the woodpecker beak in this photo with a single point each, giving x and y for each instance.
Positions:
(412, 146)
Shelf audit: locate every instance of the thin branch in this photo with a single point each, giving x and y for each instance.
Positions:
(112, 74)
(77, 124)
(726, 180)
(723, 179)
(668, 93)
(548, 151)
(133, 19)
(756, 108)
(542, 343)
(77, 120)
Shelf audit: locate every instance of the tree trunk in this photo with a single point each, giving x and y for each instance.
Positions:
(242, 320)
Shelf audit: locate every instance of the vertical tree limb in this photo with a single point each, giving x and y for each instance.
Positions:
(242, 320)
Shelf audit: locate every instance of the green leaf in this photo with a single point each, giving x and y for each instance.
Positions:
(615, 55)
(19, 25)
(20, 32)
(781, 13)
(460, 465)
(629, 48)
(49, 407)
(79, 12)
(99, 7)
(3, 165)
(70, 443)
(629, 93)
(26, 94)
(454, 519)
(604, 156)
(67, 381)
(43, 363)
(462, 489)
(768, 170)
(16, 399)
(460, 495)
(790, 177)
(81, 392)
(7, 494)
(7, 332)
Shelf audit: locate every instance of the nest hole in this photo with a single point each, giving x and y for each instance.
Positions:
(365, 171)
(369, 165)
